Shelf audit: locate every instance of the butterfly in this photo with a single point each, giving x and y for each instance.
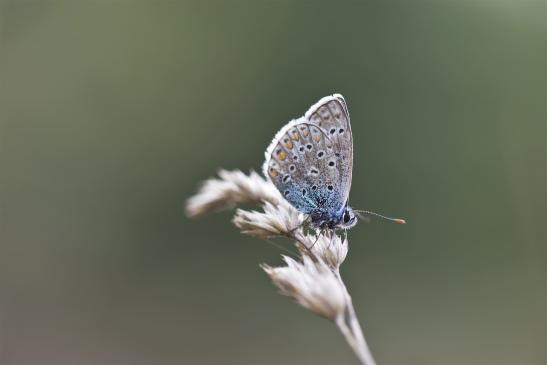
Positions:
(310, 162)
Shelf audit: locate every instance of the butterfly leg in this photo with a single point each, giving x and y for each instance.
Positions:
(333, 233)
(306, 221)
(319, 236)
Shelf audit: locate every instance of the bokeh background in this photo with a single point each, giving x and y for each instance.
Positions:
(112, 112)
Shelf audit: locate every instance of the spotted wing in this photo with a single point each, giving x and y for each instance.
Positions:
(302, 164)
(331, 115)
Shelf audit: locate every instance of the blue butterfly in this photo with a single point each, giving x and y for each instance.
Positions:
(310, 162)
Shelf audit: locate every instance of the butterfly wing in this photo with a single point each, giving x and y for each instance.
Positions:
(302, 164)
(331, 115)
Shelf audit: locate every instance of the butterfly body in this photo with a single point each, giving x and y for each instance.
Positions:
(310, 162)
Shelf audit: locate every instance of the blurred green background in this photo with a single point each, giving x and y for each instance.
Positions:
(112, 112)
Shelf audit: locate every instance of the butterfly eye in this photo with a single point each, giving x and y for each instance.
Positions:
(346, 217)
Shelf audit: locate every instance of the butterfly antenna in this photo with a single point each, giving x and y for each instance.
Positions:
(394, 220)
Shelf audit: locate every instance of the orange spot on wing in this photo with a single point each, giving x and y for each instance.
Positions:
(281, 155)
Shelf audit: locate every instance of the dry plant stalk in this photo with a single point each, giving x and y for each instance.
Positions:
(313, 280)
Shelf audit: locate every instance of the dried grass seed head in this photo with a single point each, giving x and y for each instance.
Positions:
(314, 285)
